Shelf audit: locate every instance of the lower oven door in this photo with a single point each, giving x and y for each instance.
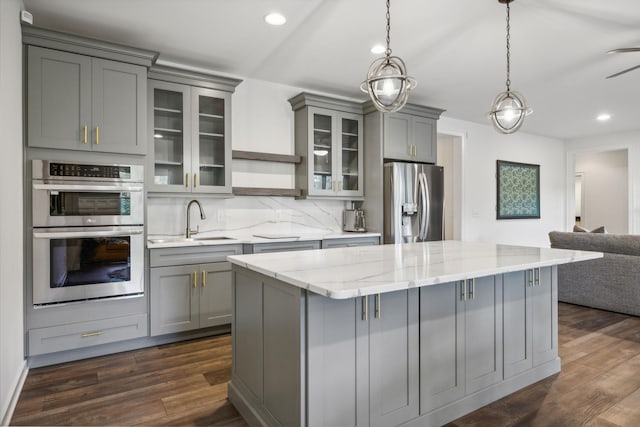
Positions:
(74, 264)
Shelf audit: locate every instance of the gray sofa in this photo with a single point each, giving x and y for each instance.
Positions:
(609, 283)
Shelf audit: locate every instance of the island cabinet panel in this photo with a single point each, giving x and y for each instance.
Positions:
(338, 375)
(530, 319)
(441, 345)
(460, 339)
(483, 332)
(393, 357)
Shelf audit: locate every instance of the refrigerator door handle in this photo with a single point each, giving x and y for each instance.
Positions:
(424, 214)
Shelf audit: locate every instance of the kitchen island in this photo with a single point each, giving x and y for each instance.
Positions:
(413, 334)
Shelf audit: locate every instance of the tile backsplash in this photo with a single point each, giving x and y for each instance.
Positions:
(245, 214)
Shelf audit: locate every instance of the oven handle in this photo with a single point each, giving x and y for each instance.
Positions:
(72, 234)
(73, 187)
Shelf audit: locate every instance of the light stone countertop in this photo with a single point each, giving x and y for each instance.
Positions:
(165, 241)
(357, 271)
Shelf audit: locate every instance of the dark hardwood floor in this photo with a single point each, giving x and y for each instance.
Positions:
(185, 384)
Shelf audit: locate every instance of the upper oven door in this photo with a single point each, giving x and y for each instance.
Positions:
(82, 204)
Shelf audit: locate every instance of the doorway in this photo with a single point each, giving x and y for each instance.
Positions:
(602, 190)
(449, 156)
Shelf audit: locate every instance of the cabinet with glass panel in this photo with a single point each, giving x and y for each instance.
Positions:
(190, 120)
(328, 134)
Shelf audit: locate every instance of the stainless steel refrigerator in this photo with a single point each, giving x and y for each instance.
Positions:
(413, 202)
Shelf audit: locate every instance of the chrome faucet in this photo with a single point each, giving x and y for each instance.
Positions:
(189, 231)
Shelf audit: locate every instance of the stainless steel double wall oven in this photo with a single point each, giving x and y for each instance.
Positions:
(88, 233)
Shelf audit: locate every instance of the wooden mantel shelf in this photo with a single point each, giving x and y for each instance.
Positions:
(267, 157)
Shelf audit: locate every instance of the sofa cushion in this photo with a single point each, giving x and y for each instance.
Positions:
(626, 244)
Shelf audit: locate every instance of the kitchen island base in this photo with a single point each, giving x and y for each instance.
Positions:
(416, 357)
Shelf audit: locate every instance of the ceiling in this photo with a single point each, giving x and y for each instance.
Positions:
(455, 49)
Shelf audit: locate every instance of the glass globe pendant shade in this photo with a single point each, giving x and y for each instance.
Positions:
(508, 111)
(387, 84)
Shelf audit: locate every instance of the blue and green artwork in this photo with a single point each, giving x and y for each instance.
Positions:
(518, 192)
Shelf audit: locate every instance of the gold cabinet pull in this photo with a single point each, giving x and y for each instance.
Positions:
(92, 334)
(204, 279)
(85, 135)
(186, 180)
(195, 180)
(97, 135)
(365, 308)
(195, 279)
(410, 150)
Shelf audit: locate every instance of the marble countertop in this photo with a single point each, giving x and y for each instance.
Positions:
(201, 239)
(365, 270)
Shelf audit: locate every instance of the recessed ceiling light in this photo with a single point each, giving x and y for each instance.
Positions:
(603, 117)
(378, 49)
(275, 18)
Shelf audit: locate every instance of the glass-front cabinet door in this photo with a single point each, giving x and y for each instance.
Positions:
(336, 149)
(211, 158)
(191, 139)
(351, 157)
(171, 139)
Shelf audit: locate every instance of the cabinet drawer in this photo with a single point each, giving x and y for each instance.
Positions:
(259, 248)
(77, 335)
(345, 243)
(164, 257)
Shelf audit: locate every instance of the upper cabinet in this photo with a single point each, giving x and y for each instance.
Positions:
(329, 137)
(84, 94)
(190, 131)
(409, 135)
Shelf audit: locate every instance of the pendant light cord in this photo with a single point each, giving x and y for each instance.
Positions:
(508, 49)
(388, 51)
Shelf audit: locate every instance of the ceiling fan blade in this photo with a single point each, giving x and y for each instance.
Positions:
(623, 71)
(625, 50)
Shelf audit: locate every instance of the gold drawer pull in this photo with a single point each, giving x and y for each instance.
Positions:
(84, 134)
(195, 279)
(195, 180)
(92, 334)
(97, 135)
(204, 279)
(186, 178)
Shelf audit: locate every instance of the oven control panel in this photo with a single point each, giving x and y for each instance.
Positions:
(93, 171)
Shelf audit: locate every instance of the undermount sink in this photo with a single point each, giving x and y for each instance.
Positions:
(191, 239)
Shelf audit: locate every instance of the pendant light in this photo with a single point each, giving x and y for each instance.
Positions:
(387, 82)
(509, 108)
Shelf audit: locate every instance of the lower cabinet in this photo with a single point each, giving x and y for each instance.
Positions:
(363, 359)
(530, 319)
(417, 357)
(190, 296)
(460, 339)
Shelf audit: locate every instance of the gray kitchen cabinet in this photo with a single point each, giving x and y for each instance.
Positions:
(329, 136)
(409, 135)
(350, 242)
(190, 132)
(79, 102)
(460, 341)
(259, 248)
(360, 349)
(530, 319)
(186, 292)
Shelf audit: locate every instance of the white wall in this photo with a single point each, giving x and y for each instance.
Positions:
(482, 146)
(12, 363)
(605, 191)
(619, 141)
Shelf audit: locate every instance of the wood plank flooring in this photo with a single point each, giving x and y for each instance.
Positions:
(185, 384)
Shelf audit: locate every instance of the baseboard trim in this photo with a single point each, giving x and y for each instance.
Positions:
(15, 395)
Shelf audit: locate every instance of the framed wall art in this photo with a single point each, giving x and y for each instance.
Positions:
(518, 190)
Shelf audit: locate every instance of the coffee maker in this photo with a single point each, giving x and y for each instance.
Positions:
(353, 219)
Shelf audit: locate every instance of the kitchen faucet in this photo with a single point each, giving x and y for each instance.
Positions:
(189, 231)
